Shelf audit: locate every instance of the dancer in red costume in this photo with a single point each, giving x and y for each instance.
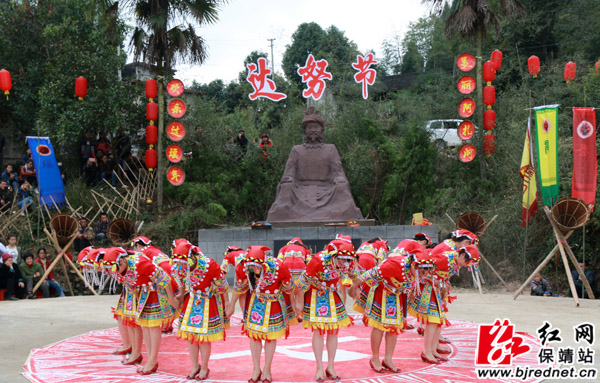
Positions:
(154, 301)
(232, 257)
(428, 306)
(371, 253)
(324, 311)
(381, 301)
(263, 283)
(202, 320)
(295, 255)
(423, 239)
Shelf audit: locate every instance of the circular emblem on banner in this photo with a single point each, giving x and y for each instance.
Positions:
(585, 129)
(175, 88)
(176, 131)
(176, 108)
(466, 130)
(546, 126)
(174, 153)
(467, 153)
(43, 150)
(466, 108)
(466, 85)
(175, 175)
(465, 62)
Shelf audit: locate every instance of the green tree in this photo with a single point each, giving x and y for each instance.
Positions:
(412, 60)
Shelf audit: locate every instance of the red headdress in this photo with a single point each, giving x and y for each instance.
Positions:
(472, 255)
(256, 255)
(141, 240)
(422, 237)
(295, 240)
(459, 234)
(342, 248)
(177, 242)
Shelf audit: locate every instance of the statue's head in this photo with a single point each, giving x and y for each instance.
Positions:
(313, 126)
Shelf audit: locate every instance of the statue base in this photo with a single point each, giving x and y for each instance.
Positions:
(362, 222)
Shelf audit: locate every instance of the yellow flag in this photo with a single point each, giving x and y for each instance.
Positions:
(530, 203)
(546, 122)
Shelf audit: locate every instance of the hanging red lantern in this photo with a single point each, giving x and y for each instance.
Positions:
(570, 71)
(489, 144)
(496, 58)
(533, 64)
(151, 135)
(5, 82)
(597, 66)
(489, 119)
(151, 87)
(152, 112)
(489, 96)
(467, 153)
(81, 87)
(489, 72)
(151, 159)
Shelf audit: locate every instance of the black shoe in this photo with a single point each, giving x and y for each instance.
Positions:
(13, 299)
(30, 296)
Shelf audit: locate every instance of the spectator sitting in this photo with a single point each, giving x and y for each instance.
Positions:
(106, 167)
(11, 177)
(90, 172)
(589, 275)
(12, 248)
(31, 272)
(45, 263)
(27, 173)
(131, 167)
(103, 143)
(27, 156)
(84, 236)
(540, 286)
(6, 196)
(265, 143)
(102, 227)
(10, 279)
(24, 196)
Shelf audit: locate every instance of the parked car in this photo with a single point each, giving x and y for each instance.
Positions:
(444, 133)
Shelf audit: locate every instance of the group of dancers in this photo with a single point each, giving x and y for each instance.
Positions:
(276, 291)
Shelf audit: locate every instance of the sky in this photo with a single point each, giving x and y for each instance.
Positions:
(246, 25)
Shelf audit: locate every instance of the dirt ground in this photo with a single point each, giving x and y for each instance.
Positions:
(31, 324)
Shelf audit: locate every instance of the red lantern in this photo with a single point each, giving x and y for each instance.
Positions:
(489, 144)
(489, 72)
(597, 66)
(496, 58)
(466, 108)
(151, 159)
(570, 71)
(5, 82)
(151, 88)
(489, 96)
(489, 119)
(467, 153)
(151, 135)
(152, 112)
(533, 64)
(81, 87)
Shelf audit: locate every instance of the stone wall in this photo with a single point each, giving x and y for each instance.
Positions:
(213, 242)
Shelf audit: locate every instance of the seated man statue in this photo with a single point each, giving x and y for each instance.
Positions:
(314, 186)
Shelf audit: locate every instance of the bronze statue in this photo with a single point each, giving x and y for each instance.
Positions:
(314, 186)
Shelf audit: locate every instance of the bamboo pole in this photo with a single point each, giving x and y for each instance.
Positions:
(58, 256)
(494, 270)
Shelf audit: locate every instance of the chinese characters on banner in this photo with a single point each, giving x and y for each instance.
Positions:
(314, 73)
(466, 85)
(176, 132)
(366, 75)
(465, 62)
(263, 86)
(466, 108)
(467, 153)
(466, 130)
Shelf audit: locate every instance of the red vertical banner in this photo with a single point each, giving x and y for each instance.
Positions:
(585, 162)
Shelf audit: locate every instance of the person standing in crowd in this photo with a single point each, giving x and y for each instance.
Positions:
(11, 279)
(106, 168)
(45, 263)
(86, 149)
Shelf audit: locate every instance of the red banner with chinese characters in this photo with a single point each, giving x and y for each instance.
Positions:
(174, 153)
(175, 88)
(176, 131)
(175, 175)
(466, 130)
(466, 85)
(176, 108)
(585, 162)
(467, 153)
(465, 62)
(466, 108)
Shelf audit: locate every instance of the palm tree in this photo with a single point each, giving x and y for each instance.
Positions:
(470, 20)
(165, 35)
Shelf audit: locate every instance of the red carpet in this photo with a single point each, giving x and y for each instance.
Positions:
(87, 358)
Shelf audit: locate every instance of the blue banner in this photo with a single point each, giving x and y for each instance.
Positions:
(52, 189)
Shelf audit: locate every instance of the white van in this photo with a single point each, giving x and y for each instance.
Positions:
(444, 133)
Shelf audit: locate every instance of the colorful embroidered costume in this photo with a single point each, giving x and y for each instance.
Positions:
(126, 309)
(371, 254)
(324, 309)
(232, 257)
(268, 312)
(203, 312)
(381, 295)
(153, 308)
(294, 256)
(427, 306)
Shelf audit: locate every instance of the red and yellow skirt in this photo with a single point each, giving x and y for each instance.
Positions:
(382, 309)
(202, 318)
(324, 311)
